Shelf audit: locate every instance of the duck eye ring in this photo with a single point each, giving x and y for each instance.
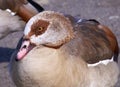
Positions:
(40, 28)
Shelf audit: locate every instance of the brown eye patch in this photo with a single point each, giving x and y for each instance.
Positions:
(39, 27)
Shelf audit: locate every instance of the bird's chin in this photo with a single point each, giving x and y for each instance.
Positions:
(26, 47)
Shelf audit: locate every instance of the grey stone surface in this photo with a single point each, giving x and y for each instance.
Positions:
(105, 11)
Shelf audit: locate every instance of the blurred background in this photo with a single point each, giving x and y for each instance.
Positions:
(107, 12)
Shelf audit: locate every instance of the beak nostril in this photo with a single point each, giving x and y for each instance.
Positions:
(24, 46)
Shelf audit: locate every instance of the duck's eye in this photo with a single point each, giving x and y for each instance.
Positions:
(40, 28)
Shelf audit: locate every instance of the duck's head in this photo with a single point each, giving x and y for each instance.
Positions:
(47, 28)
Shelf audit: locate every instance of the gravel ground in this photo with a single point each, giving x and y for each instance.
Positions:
(105, 11)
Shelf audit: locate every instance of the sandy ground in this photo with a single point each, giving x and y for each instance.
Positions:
(105, 11)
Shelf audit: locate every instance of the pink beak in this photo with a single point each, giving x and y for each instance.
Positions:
(25, 48)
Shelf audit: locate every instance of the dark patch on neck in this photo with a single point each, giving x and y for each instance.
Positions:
(39, 27)
(54, 47)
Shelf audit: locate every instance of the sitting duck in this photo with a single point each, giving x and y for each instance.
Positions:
(59, 50)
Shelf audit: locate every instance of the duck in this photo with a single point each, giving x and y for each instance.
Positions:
(60, 50)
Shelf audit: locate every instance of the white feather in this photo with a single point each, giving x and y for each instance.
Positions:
(105, 62)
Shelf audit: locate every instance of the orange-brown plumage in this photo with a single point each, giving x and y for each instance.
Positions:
(112, 39)
(25, 13)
